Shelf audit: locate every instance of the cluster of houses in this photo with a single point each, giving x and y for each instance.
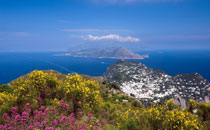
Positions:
(143, 83)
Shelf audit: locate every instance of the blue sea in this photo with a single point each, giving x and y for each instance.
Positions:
(13, 65)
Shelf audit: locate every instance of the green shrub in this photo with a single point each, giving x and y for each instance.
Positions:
(5, 88)
(132, 124)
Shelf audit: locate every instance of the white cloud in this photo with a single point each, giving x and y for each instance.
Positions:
(112, 37)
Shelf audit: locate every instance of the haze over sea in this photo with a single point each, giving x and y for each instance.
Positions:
(15, 64)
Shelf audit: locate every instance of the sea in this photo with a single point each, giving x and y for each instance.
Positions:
(16, 64)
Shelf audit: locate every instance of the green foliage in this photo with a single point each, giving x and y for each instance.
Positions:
(192, 105)
(203, 110)
(82, 93)
(5, 88)
(120, 98)
(163, 117)
(7, 100)
(114, 86)
(132, 124)
(136, 104)
(170, 105)
(35, 84)
(104, 91)
(105, 101)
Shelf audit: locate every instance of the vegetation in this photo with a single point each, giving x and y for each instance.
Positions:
(51, 101)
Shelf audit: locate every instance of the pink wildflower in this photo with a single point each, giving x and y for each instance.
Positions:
(72, 120)
(72, 114)
(55, 122)
(102, 122)
(42, 108)
(61, 101)
(44, 123)
(89, 115)
(49, 128)
(30, 127)
(53, 109)
(66, 106)
(37, 124)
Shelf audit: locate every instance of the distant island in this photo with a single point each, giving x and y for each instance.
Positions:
(113, 52)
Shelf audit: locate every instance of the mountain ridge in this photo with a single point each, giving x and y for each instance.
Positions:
(112, 52)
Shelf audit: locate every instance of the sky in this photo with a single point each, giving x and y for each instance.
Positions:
(58, 25)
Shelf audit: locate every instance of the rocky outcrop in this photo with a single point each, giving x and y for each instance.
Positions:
(179, 101)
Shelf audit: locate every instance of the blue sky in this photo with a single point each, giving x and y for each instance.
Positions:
(56, 25)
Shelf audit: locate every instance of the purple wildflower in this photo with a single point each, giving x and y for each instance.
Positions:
(17, 117)
(84, 125)
(71, 127)
(9, 127)
(39, 99)
(49, 128)
(14, 109)
(72, 120)
(42, 108)
(24, 113)
(28, 108)
(37, 124)
(30, 127)
(44, 123)
(46, 111)
(35, 112)
(61, 101)
(72, 115)
(53, 109)
(5, 115)
(66, 106)
(89, 115)
(102, 122)
(40, 114)
(24, 117)
(55, 122)
(96, 127)
(79, 114)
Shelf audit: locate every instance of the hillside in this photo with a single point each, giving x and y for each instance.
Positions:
(113, 52)
(153, 86)
(50, 100)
